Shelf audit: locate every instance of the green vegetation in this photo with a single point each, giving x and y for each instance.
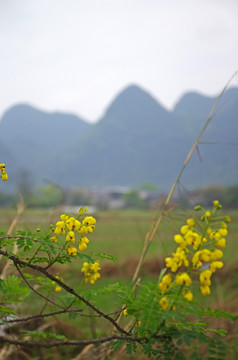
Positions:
(120, 233)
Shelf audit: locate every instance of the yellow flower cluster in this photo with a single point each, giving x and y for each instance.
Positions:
(57, 288)
(4, 175)
(72, 226)
(91, 271)
(198, 253)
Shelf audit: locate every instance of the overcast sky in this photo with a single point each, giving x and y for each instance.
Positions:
(76, 55)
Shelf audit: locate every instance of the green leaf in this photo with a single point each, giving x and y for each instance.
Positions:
(219, 314)
(179, 342)
(107, 256)
(72, 316)
(112, 288)
(179, 356)
(46, 244)
(116, 345)
(6, 311)
(43, 335)
(162, 272)
(85, 257)
(129, 349)
(12, 289)
(187, 340)
(218, 331)
(39, 260)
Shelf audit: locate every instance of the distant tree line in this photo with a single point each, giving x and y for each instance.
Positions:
(51, 195)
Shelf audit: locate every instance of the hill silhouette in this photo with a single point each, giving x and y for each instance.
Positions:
(136, 141)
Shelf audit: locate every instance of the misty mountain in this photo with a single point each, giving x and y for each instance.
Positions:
(30, 137)
(137, 140)
(128, 146)
(217, 161)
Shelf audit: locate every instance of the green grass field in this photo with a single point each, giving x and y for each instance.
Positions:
(121, 234)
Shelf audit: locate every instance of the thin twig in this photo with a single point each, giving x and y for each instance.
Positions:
(155, 224)
(37, 316)
(71, 342)
(38, 268)
(35, 291)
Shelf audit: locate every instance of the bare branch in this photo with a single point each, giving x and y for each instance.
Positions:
(35, 291)
(38, 268)
(71, 342)
(37, 316)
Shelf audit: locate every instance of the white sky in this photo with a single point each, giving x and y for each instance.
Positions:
(76, 55)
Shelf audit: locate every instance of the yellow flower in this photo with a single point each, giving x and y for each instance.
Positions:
(205, 290)
(190, 222)
(179, 258)
(207, 214)
(93, 278)
(223, 224)
(193, 238)
(179, 240)
(89, 229)
(197, 263)
(70, 236)
(223, 232)
(58, 288)
(91, 271)
(187, 294)
(82, 230)
(125, 313)
(165, 283)
(221, 243)
(83, 243)
(183, 279)
(181, 254)
(71, 250)
(73, 224)
(216, 255)
(64, 217)
(216, 265)
(2, 167)
(184, 229)
(89, 220)
(60, 225)
(53, 239)
(205, 255)
(216, 235)
(4, 176)
(95, 266)
(171, 263)
(216, 203)
(138, 323)
(164, 303)
(199, 257)
(205, 277)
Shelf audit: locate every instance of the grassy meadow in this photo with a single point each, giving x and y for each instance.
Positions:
(122, 233)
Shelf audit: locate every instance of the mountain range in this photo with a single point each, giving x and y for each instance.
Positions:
(136, 141)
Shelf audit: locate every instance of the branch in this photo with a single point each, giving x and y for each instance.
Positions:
(33, 317)
(71, 342)
(36, 292)
(38, 268)
(37, 316)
